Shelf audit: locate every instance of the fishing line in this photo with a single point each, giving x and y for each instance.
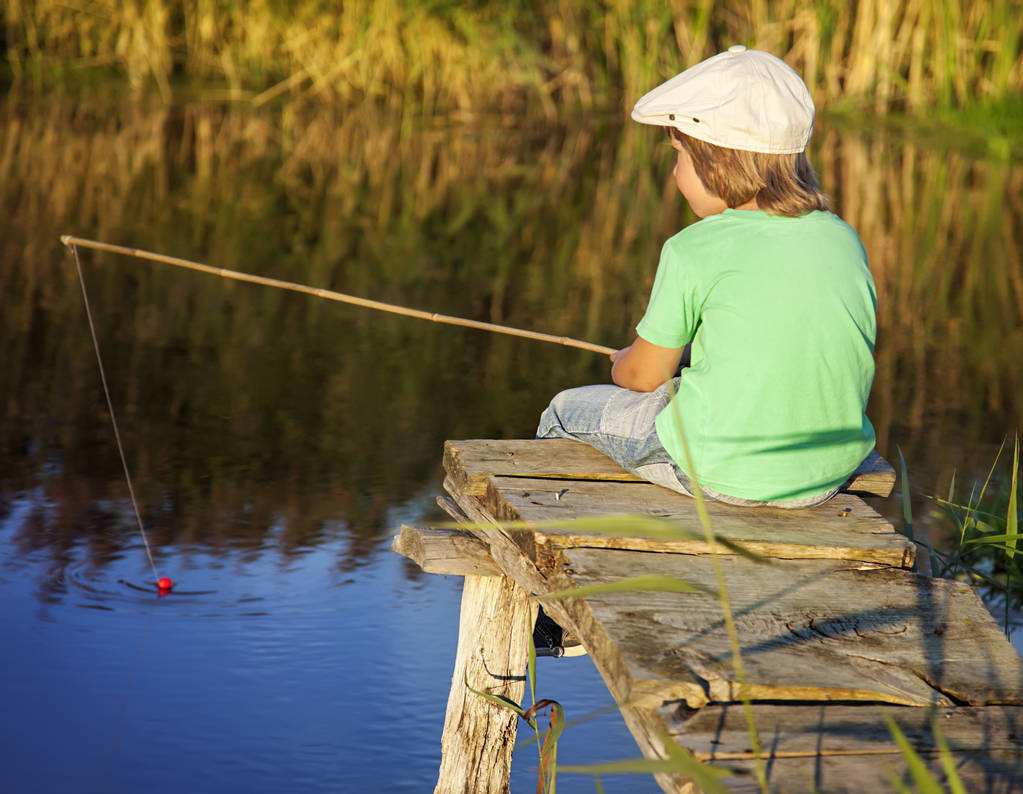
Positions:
(110, 407)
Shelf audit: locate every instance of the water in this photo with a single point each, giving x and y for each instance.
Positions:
(277, 441)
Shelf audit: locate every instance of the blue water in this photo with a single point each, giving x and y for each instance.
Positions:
(283, 673)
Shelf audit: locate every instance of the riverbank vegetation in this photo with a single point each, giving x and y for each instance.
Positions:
(523, 56)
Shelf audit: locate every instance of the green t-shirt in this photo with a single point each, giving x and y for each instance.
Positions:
(781, 314)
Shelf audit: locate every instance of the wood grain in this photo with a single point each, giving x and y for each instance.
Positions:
(470, 463)
(494, 627)
(719, 732)
(995, 772)
(844, 528)
(809, 630)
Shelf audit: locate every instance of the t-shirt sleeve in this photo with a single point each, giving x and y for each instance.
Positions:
(673, 312)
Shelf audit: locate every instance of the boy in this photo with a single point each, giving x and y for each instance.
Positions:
(772, 291)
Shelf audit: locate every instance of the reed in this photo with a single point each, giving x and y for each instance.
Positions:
(525, 57)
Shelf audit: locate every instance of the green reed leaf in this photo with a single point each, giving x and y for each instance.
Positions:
(707, 778)
(948, 763)
(1012, 514)
(904, 500)
(531, 671)
(625, 525)
(924, 780)
(499, 700)
(645, 583)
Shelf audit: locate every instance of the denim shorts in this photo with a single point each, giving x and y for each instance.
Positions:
(620, 423)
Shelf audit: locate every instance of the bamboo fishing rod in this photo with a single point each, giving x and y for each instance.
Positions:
(236, 275)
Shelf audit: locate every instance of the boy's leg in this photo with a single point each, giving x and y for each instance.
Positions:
(619, 423)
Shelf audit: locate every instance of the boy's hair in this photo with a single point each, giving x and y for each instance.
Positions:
(782, 184)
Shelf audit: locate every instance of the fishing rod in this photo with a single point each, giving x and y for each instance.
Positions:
(165, 584)
(235, 275)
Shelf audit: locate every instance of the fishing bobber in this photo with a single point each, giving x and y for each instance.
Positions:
(164, 584)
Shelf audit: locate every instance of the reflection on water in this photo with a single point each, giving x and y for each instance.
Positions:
(266, 429)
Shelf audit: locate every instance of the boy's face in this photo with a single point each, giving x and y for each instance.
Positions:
(690, 186)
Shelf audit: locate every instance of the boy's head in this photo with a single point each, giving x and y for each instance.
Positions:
(740, 122)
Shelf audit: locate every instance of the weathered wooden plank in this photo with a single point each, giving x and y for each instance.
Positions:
(450, 506)
(720, 732)
(495, 625)
(844, 528)
(808, 629)
(996, 772)
(471, 463)
(445, 551)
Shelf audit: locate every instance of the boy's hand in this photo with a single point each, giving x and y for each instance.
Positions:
(615, 355)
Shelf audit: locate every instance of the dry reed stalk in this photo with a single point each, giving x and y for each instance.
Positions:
(881, 53)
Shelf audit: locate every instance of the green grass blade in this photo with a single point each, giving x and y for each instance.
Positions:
(897, 785)
(627, 525)
(707, 778)
(645, 583)
(907, 505)
(531, 671)
(1002, 541)
(497, 700)
(722, 595)
(991, 471)
(549, 750)
(1012, 514)
(598, 785)
(589, 716)
(924, 780)
(948, 762)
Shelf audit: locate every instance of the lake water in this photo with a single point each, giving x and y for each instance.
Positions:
(277, 442)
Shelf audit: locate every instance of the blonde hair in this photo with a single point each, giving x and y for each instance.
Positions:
(782, 184)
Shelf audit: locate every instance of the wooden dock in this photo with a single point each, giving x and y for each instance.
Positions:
(835, 628)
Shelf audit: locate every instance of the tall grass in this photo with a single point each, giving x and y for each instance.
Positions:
(984, 529)
(888, 54)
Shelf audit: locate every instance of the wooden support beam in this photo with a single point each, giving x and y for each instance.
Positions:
(445, 551)
(495, 625)
(471, 463)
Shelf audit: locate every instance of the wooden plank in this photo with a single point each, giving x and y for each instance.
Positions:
(494, 627)
(445, 551)
(720, 732)
(981, 773)
(844, 528)
(809, 630)
(470, 463)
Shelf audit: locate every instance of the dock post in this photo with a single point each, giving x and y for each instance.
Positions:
(495, 625)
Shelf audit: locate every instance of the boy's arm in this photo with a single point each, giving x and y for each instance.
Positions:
(644, 366)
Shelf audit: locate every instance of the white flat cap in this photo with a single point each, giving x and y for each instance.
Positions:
(739, 99)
